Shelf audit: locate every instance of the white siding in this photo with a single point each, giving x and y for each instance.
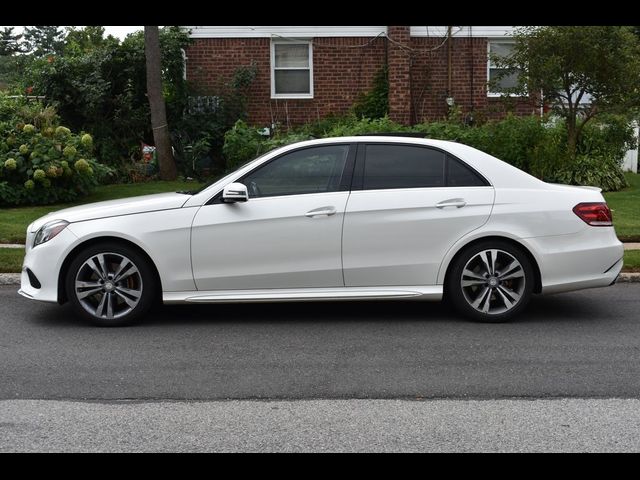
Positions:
(284, 31)
(496, 32)
(630, 160)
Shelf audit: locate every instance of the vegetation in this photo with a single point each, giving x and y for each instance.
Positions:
(99, 86)
(625, 208)
(631, 261)
(11, 260)
(40, 161)
(572, 64)
(375, 103)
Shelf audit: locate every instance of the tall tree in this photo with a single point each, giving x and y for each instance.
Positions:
(44, 40)
(166, 162)
(9, 43)
(582, 71)
(79, 41)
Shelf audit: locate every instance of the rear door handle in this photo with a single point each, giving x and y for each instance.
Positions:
(328, 211)
(454, 202)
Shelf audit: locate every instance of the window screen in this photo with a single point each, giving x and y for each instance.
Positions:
(502, 77)
(292, 72)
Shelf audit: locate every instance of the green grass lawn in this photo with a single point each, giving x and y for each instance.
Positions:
(11, 260)
(632, 261)
(14, 221)
(625, 205)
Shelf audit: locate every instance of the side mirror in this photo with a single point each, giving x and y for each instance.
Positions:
(235, 192)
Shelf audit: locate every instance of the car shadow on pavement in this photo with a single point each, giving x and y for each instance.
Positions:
(542, 309)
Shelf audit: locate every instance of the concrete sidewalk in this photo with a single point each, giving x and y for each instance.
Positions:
(563, 425)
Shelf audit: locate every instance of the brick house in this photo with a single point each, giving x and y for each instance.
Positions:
(305, 73)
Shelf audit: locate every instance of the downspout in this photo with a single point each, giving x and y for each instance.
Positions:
(470, 117)
(449, 53)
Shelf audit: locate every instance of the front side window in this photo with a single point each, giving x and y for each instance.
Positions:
(291, 69)
(500, 78)
(402, 166)
(309, 170)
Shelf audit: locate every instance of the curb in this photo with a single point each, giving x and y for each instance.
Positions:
(9, 279)
(14, 278)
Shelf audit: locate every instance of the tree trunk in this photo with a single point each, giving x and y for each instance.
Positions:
(168, 170)
(572, 137)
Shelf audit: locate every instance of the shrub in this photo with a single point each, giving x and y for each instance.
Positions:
(34, 167)
(597, 171)
(241, 144)
(353, 126)
(375, 103)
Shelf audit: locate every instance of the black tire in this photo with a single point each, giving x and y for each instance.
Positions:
(144, 282)
(517, 291)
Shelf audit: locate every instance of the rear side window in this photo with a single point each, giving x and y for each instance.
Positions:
(402, 166)
(460, 175)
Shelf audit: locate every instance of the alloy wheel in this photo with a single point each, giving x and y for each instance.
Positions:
(493, 281)
(108, 285)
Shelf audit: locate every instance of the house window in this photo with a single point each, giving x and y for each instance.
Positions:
(291, 69)
(500, 49)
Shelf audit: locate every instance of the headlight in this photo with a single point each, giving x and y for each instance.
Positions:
(48, 231)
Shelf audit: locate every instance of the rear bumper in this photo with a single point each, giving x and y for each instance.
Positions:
(591, 258)
(602, 280)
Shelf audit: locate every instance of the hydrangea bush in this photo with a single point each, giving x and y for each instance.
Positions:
(46, 164)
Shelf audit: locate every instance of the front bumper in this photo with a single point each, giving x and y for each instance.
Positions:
(45, 261)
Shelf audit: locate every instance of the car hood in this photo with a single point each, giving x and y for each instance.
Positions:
(114, 208)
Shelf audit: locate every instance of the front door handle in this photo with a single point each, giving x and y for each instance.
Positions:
(454, 202)
(328, 211)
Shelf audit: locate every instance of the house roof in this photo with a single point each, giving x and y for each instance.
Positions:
(339, 31)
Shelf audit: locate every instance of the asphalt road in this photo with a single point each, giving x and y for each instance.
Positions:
(387, 376)
(584, 344)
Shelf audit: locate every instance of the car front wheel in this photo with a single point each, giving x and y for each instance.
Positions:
(490, 282)
(110, 285)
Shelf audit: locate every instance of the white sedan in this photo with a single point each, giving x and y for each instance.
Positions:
(350, 218)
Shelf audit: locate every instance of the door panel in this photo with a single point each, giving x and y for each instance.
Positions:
(270, 242)
(399, 236)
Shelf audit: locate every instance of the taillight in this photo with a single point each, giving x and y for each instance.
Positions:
(594, 214)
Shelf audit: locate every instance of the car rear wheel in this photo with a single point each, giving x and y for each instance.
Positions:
(110, 285)
(490, 282)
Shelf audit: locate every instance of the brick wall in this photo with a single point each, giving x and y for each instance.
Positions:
(429, 81)
(343, 68)
(399, 61)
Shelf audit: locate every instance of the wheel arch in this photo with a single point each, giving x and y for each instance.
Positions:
(62, 294)
(537, 287)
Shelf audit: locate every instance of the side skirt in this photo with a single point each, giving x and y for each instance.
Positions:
(433, 293)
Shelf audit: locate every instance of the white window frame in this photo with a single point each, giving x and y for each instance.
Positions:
(490, 66)
(274, 42)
